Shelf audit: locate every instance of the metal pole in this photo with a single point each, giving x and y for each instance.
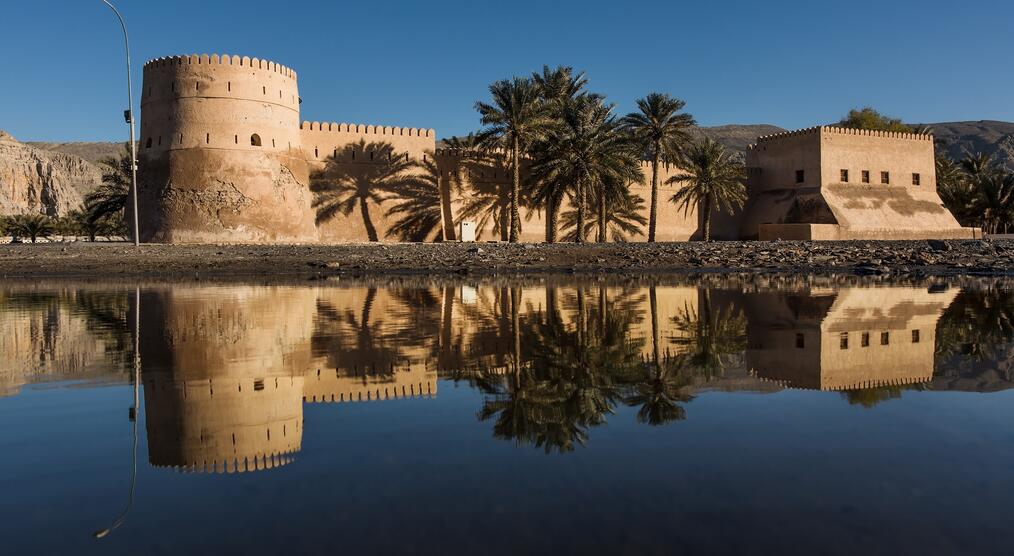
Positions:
(129, 114)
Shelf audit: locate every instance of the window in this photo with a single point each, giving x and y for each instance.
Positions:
(264, 90)
(915, 179)
(800, 175)
(255, 140)
(259, 384)
(885, 338)
(207, 138)
(316, 153)
(228, 86)
(844, 176)
(866, 176)
(915, 336)
(235, 139)
(866, 339)
(885, 178)
(800, 341)
(843, 342)
(147, 143)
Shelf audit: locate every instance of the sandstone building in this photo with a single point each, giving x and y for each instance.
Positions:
(225, 158)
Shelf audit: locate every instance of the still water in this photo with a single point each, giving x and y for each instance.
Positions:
(814, 417)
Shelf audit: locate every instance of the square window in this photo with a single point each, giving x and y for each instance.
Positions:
(844, 176)
(885, 338)
(885, 178)
(800, 341)
(915, 336)
(866, 176)
(866, 339)
(800, 175)
(915, 179)
(843, 342)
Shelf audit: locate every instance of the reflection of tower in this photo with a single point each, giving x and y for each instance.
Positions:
(223, 382)
(848, 339)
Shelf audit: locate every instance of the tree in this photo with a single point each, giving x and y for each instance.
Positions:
(588, 150)
(110, 198)
(661, 130)
(956, 191)
(31, 226)
(711, 179)
(624, 219)
(868, 118)
(994, 191)
(341, 187)
(516, 119)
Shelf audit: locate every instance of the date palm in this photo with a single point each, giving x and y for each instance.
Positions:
(588, 150)
(661, 129)
(110, 198)
(711, 179)
(514, 121)
(31, 226)
(624, 218)
(341, 188)
(955, 190)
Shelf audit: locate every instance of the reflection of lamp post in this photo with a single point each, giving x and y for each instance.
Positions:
(128, 114)
(133, 416)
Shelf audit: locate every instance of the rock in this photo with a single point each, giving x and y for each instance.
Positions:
(938, 245)
(332, 265)
(38, 181)
(475, 250)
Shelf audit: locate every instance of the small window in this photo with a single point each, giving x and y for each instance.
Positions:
(259, 384)
(866, 339)
(915, 179)
(915, 336)
(843, 341)
(800, 176)
(885, 338)
(235, 139)
(255, 140)
(885, 178)
(160, 140)
(866, 176)
(264, 90)
(197, 86)
(207, 138)
(844, 176)
(800, 341)
(228, 86)
(316, 153)
(147, 144)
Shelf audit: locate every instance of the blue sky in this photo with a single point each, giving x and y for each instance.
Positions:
(424, 64)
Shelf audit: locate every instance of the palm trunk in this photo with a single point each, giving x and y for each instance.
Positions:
(706, 209)
(516, 329)
(551, 208)
(653, 213)
(602, 213)
(656, 340)
(371, 231)
(516, 194)
(579, 238)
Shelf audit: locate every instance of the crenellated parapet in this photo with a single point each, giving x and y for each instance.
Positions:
(223, 60)
(838, 130)
(364, 129)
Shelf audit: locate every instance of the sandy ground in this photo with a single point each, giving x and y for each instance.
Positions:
(905, 258)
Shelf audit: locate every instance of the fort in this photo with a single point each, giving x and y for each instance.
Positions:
(225, 159)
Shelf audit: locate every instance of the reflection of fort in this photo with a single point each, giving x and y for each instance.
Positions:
(845, 339)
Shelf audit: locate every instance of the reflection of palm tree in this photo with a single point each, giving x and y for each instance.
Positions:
(976, 324)
(341, 186)
(344, 337)
(707, 336)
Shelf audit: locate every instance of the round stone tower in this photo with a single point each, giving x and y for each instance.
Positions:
(220, 153)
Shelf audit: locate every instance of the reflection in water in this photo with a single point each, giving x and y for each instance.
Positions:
(226, 369)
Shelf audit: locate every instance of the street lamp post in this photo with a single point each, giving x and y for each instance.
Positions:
(128, 114)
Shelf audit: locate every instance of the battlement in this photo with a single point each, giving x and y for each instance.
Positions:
(258, 462)
(836, 130)
(222, 60)
(866, 384)
(363, 129)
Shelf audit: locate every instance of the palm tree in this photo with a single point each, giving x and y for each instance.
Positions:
(110, 198)
(514, 121)
(588, 150)
(996, 201)
(661, 130)
(956, 191)
(32, 226)
(560, 84)
(712, 179)
(341, 187)
(624, 219)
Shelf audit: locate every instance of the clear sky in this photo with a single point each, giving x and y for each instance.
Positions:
(424, 64)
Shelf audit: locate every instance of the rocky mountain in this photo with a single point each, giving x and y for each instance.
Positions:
(34, 180)
(92, 151)
(985, 136)
(737, 137)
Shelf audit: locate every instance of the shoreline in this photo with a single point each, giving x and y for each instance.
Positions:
(916, 258)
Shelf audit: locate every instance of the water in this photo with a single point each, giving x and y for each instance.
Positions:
(732, 416)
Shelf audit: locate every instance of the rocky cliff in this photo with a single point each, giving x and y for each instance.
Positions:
(39, 181)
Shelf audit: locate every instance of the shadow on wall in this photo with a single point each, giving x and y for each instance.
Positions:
(373, 174)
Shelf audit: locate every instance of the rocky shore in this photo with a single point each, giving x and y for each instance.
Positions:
(886, 258)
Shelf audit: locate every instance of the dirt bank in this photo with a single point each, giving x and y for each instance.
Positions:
(914, 258)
